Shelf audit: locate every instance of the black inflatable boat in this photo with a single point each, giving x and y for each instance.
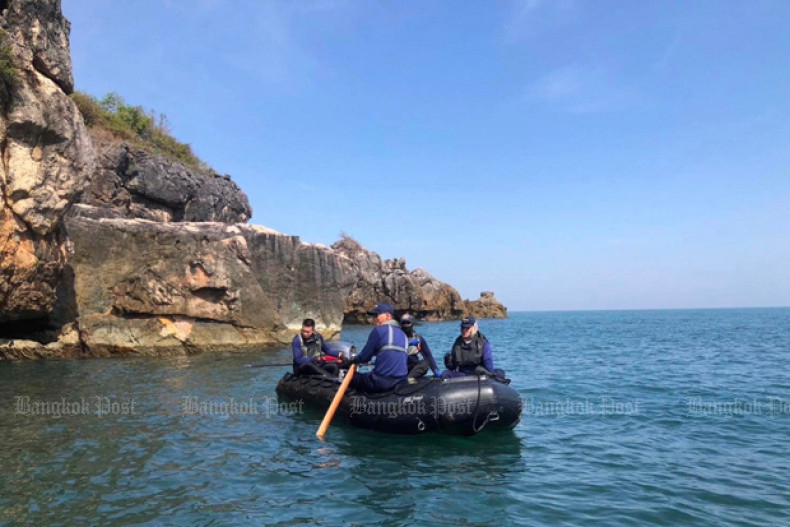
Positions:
(462, 406)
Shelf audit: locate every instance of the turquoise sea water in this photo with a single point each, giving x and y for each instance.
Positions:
(631, 418)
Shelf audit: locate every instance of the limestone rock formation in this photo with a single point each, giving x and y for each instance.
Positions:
(47, 157)
(440, 301)
(376, 281)
(132, 183)
(416, 292)
(487, 306)
(159, 288)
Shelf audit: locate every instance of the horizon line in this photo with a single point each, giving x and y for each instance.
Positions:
(644, 309)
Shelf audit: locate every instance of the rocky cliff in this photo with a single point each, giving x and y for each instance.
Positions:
(109, 247)
(150, 287)
(131, 183)
(416, 292)
(47, 157)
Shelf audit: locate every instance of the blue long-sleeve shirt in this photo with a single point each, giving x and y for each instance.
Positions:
(300, 359)
(426, 352)
(488, 356)
(389, 363)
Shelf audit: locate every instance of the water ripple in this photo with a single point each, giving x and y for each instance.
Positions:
(631, 418)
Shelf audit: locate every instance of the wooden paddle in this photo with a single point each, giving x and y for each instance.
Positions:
(330, 413)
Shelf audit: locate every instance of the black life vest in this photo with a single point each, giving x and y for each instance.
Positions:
(312, 347)
(469, 355)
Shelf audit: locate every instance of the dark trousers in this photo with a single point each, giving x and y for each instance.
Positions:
(418, 369)
(327, 370)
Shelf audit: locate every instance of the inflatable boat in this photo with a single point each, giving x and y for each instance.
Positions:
(460, 406)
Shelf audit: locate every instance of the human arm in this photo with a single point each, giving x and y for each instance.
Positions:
(370, 348)
(326, 349)
(426, 352)
(488, 356)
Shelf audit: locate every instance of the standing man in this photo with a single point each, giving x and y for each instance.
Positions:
(388, 344)
(311, 354)
(417, 346)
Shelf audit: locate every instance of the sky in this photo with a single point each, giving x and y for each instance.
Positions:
(565, 154)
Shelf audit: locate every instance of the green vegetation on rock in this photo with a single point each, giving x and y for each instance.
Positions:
(7, 69)
(134, 124)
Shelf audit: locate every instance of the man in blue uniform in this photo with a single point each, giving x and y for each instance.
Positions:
(311, 354)
(471, 353)
(417, 346)
(388, 344)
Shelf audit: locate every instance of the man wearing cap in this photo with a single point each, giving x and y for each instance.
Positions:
(471, 353)
(417, 346)
(311, 354)
(388, 344)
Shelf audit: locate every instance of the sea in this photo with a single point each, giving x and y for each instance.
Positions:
(666, 417)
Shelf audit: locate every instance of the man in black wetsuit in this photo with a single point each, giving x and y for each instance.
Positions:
(417, 346)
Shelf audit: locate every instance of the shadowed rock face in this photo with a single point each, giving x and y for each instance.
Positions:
(376, 281)
(46, 158)
(131, 183)
(417, 292)
(390, 281)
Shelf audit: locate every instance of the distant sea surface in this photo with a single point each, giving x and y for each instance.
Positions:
(630, 418)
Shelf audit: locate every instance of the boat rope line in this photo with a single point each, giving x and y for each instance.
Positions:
(475, 428)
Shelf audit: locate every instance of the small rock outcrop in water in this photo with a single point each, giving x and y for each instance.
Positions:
(487, 306)
(108, 248)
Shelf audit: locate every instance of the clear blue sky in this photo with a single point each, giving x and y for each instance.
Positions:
(565, 154)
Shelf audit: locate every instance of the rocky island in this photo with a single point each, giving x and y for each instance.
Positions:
(114, 245)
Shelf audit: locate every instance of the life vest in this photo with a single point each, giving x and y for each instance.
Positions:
(469, 355)
(390, 345)
(311, 348)
(415, 347)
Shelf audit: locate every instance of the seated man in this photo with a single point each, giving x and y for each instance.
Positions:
(471, 354)
(417, 346)
(311, 354)
(388, 344)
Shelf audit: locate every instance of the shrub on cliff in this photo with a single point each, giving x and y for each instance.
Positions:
(7, 69)
(133, 124)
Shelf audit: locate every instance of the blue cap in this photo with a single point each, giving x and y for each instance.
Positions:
(406, 319)
(382, 307)
(468, 322)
